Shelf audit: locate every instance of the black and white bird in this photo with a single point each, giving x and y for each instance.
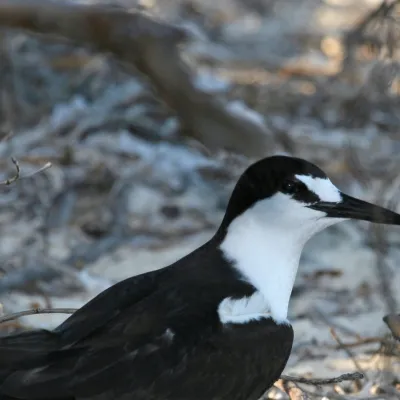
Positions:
(211, 326)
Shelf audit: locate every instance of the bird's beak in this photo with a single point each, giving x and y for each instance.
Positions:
(352, 208)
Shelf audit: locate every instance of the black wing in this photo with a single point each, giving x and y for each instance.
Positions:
(110, 306)
(155, 336)
(125, 327)
(93, 324)
(211, 361)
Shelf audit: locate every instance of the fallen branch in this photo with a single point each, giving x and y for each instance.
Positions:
(35, 311)
(151, 47)
(354, 376)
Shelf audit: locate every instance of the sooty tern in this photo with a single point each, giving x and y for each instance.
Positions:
(213, 325)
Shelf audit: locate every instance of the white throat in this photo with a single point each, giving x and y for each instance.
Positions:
(265, 244)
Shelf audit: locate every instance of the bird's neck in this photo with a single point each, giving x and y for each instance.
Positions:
(268, 257)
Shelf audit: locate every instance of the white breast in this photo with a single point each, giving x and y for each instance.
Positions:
(265, 244)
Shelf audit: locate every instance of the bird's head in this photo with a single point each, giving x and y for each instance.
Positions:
(277, 205)
(293, 194)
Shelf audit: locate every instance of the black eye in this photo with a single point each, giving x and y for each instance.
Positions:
(290, 187)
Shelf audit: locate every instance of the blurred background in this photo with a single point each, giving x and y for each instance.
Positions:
(149, 122)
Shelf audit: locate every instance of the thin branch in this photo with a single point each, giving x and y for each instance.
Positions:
(354, 376)
(360, 342)
(347, 350)
(14, 178)
(38, 171)
(35, 311)
(18, 175)
(331, 323)
(332, 395)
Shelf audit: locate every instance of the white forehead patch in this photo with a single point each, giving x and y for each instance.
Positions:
(322, 187)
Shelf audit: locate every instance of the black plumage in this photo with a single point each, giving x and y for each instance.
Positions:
(117, 346)
(159, 336)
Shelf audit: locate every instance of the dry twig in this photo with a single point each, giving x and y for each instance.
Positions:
(331, 323)
(295, 392)
(35, 311)
(360, 342)
(38, 171)
(347, 350)
(9, 181)
(18, 175)
(354, 376)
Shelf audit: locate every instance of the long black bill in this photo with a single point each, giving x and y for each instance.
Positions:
(352, 208)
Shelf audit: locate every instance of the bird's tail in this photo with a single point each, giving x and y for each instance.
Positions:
(23, 351)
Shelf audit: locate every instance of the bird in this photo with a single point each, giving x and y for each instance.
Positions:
(211, 326)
